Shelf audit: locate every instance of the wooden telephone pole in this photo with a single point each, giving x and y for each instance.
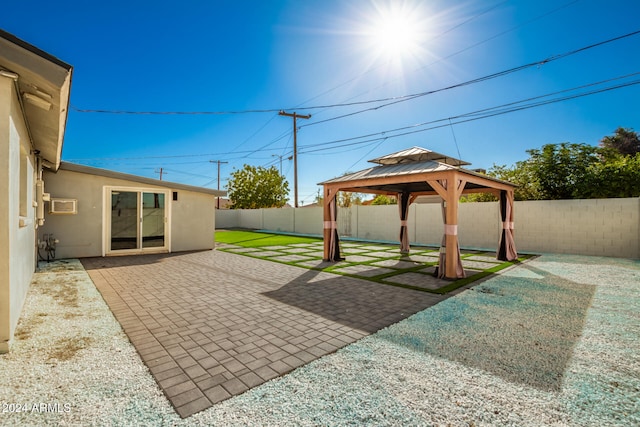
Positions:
(219, 163)
(161, 172)
(295, 151)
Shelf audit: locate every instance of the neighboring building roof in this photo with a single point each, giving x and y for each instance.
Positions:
(73, 167)
(416, 154)
(311, 205)
(43, 83)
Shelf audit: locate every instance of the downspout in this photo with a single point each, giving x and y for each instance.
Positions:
(39, 191)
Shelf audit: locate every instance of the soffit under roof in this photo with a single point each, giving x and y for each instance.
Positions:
(44, 84)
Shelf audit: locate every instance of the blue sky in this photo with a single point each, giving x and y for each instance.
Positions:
(235, 56)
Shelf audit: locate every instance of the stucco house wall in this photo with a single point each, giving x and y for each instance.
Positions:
(17, 213)
(191, 216)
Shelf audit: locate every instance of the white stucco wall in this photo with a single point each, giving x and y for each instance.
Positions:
(227, 218)
(17, 233)
(250, 218)
(308, 220)
(192, 215)
(278, 219)
(193, 221)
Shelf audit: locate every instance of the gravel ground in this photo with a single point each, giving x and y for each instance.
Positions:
(550, 342)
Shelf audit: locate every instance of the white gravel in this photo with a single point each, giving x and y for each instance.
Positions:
(553, 342)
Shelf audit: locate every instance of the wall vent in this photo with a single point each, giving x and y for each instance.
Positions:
(63, 206)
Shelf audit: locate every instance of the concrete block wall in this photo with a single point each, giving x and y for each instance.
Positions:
(376, 222)
(425, 224)
(604, 227)
(480, 225)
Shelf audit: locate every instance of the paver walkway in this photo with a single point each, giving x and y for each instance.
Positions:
(211, 325)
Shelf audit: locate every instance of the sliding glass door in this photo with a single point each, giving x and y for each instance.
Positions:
(137, 221)
(153, 220)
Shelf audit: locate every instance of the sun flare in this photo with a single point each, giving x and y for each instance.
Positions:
(395, 32)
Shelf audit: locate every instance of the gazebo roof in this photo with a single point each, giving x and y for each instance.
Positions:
(406, 170)
(417, 154)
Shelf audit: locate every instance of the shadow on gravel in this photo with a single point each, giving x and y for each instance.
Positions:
(522, 327)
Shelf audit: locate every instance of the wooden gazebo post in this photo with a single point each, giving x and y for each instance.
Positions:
(450, 190)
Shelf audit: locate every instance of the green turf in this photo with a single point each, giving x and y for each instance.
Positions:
(252, 239)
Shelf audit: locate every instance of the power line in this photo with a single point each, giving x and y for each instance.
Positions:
(459, 51)
(476, 115)
(391, 100)
(405, 98)
(482, 113)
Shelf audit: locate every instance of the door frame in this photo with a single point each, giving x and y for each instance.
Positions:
(106, 220)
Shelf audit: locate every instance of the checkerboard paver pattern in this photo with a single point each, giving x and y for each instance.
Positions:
(378, 262)
(211, 325)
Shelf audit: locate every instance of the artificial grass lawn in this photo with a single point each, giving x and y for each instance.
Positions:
(253, 239)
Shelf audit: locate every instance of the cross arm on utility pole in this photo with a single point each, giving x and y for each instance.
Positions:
(295, 150)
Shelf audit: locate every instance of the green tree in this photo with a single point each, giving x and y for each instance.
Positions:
(561, 170)
(613, 176)
(257, 187)
(574, 171)
(624, 140)
(347, 199)
(519, 174)
(381, 199)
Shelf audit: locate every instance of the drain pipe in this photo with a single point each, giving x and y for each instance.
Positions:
(41, 196)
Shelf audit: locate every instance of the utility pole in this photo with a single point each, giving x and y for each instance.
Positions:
(275, 155)
(295, 151)
(219, 163)
(161, 171)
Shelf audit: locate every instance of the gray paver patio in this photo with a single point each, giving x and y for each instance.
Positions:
(394, 263)
(426, 281)
(363, 270)
(211, 325)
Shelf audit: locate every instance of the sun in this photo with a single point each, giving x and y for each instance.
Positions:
(395, 31)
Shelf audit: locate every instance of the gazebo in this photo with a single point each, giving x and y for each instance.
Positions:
(417, 172)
